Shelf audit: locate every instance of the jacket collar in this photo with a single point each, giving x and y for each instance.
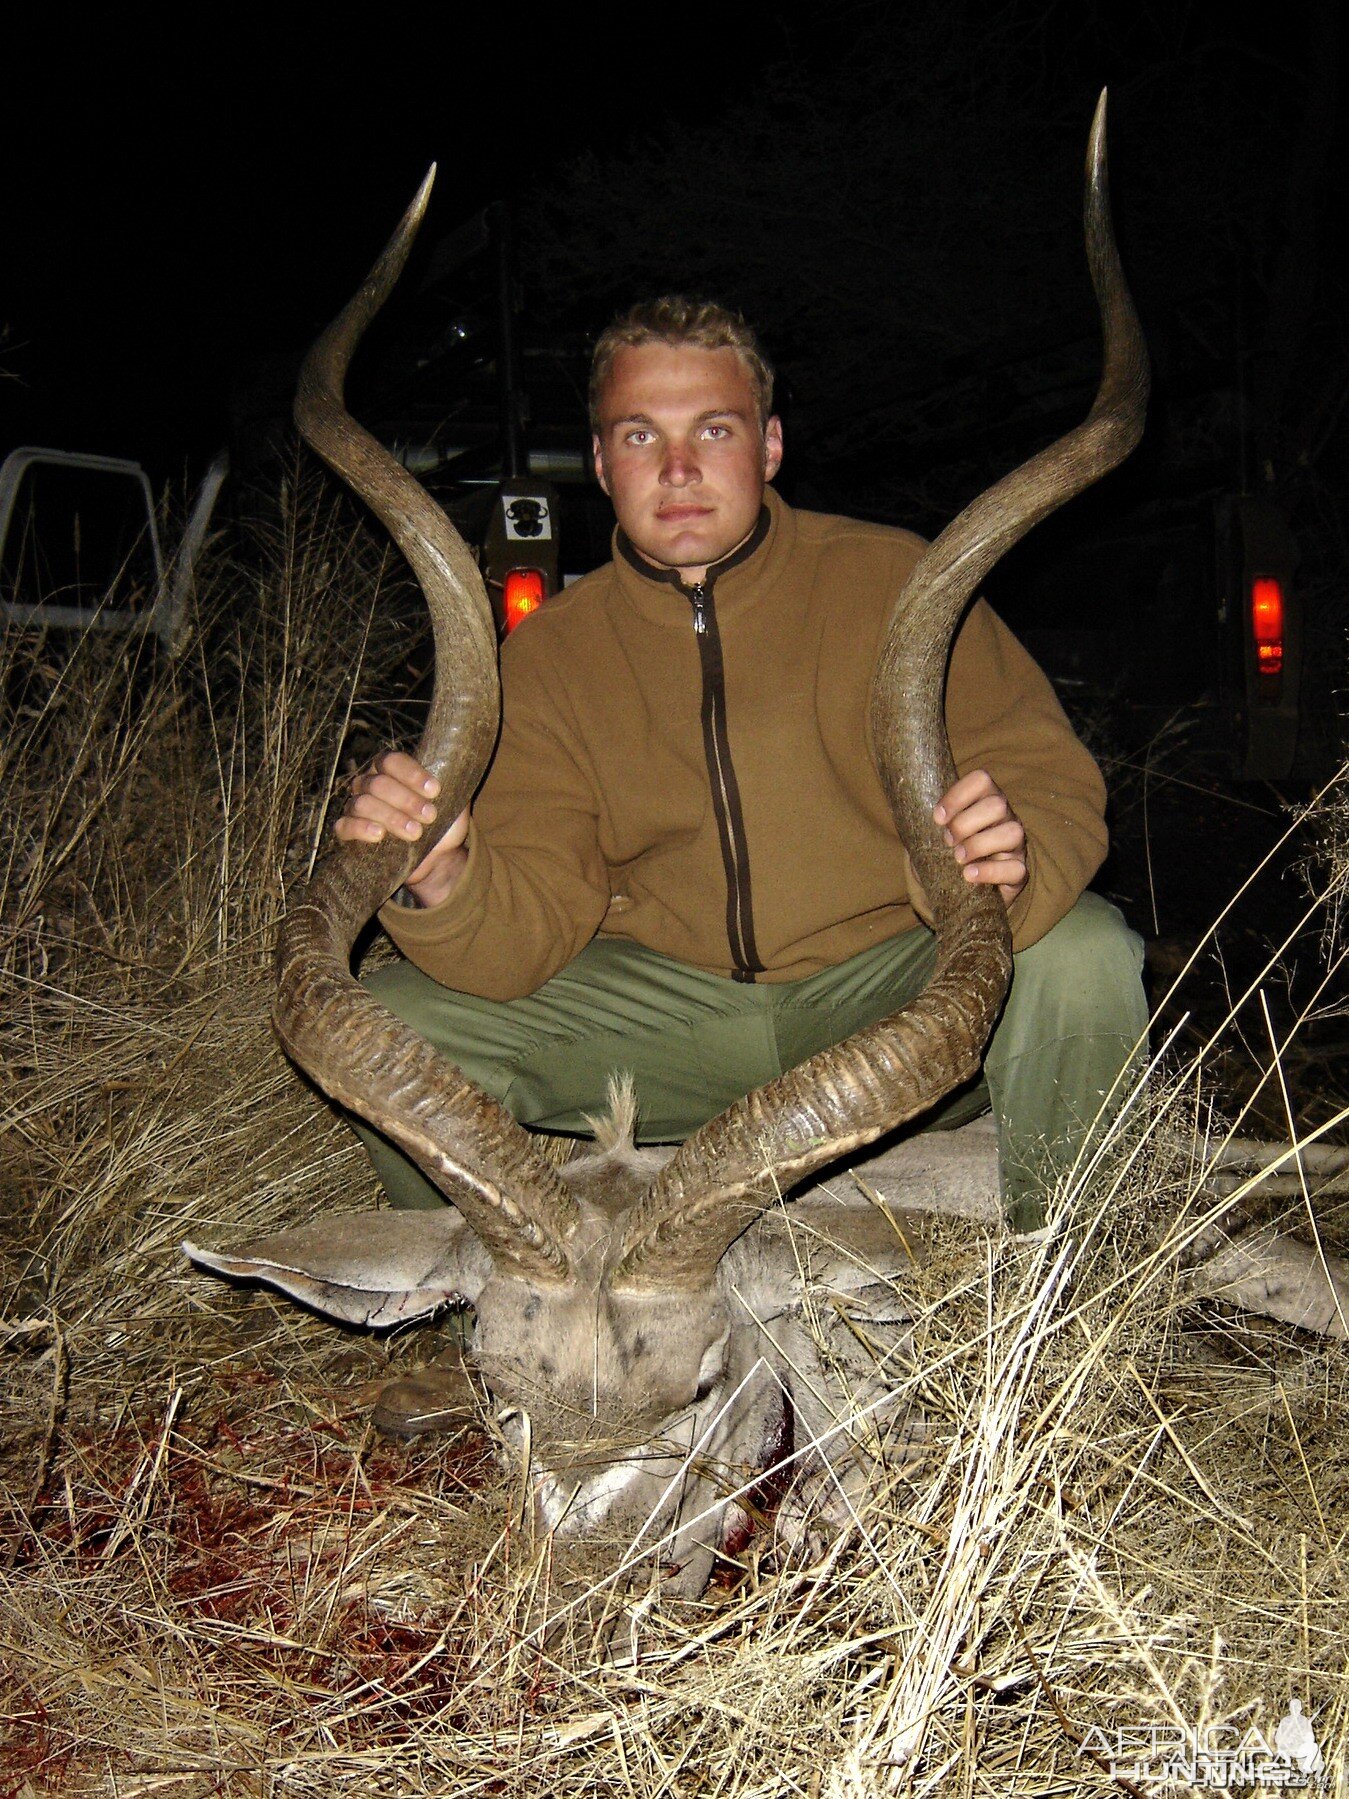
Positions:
(734, 577)
(625, 548)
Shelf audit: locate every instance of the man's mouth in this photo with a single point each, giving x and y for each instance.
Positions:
(675, 515)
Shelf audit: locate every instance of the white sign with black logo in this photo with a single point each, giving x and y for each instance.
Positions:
(528, 519)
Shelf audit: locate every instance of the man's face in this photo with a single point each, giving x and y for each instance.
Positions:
(680, 453)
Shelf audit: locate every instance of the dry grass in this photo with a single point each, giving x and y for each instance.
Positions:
(213, 1579)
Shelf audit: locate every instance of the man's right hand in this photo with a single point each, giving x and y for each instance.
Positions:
(395, 794)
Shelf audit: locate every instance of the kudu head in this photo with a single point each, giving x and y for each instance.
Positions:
(604, 1311)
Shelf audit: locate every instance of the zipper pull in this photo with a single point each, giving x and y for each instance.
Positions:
(699, 616)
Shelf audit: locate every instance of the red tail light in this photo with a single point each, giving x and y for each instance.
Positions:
(1267, 623)
(522, 593)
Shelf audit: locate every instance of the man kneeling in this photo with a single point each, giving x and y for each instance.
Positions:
(682, 864)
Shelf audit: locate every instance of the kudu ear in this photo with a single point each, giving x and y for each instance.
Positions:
(372, 1268)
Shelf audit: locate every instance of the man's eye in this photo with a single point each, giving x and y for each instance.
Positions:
(639, 438)
(716, 432)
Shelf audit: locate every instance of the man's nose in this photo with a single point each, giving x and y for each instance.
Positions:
(680, 466)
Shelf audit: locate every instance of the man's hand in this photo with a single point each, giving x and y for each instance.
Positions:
(395, 795)
(986, 835)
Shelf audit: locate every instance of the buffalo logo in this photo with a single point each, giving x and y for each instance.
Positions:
(527, 517)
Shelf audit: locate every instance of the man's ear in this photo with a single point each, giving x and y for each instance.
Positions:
(598, 454)
(772, 447)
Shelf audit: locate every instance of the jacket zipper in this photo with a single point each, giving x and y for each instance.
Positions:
(725, 788)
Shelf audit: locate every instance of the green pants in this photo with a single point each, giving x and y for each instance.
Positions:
(695, 1042)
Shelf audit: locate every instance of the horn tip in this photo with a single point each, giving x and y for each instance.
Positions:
(423, 193)
(1096, 142)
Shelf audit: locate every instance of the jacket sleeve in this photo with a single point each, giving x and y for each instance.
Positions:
(535, 886)
(1003, 716)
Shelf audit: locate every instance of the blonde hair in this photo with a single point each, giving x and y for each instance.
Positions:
(678, 319)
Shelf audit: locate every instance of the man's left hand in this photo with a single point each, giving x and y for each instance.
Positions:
(984, 832)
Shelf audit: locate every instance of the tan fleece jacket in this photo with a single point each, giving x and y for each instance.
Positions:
(735, 823)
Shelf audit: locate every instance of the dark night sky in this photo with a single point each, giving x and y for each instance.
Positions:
(168, 211)
(172, 207)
